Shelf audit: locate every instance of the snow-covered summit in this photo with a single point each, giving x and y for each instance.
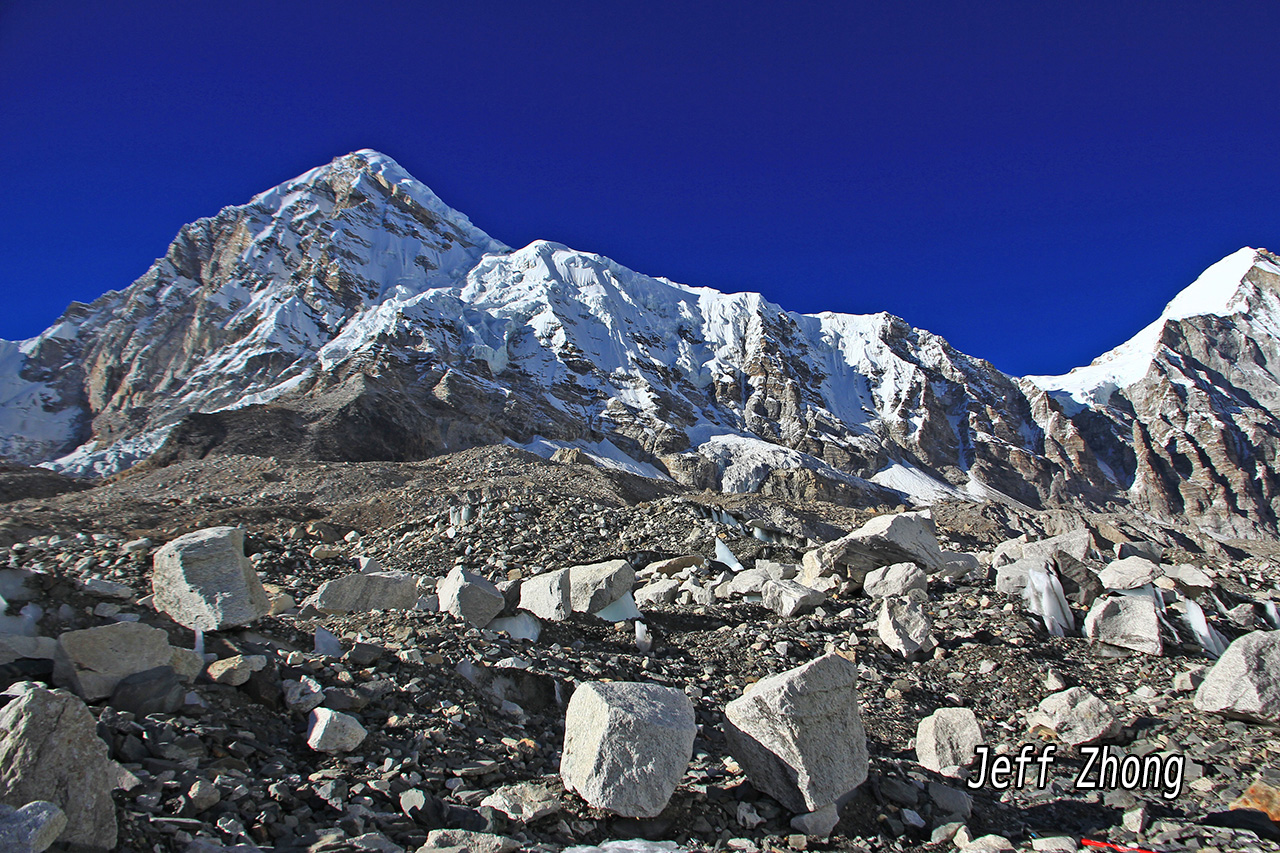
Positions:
(1221, 290)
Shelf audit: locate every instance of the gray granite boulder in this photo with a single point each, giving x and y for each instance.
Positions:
(627, 745)
(204, 581)
(799, 735)
(1245, 682)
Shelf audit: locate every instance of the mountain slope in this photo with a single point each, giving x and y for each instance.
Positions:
(349, 314)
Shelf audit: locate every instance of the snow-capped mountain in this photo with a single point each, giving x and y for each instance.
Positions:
(350, 314)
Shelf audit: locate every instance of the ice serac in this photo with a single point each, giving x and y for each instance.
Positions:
(349, 314)
(1184, 418)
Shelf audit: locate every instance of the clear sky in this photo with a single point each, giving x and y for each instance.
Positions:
(1031, 180)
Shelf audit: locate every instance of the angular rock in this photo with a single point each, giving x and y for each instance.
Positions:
(1011, 578)
(1129, 573)
(788, 598)
(946, 740)
(744, 583)
(627, 745)
(547, 596)
(659, 592)
(50, 750)
(895, 580)
(1147, 550)
(799, 735)
(470, 597)
(904, 627)
(882, 541)
(152, 691)
(92, 661)
(1077, 543)
(235, 670)
(364, 592)
(950, 801)
(1080, 585)
(333, 731)
(675, 564)
(460, 840)
(1075, 715)
(1125, 621)
(594, 587)
(204, 581)
(1245, 681)
(32, 828)
(16, 646)
(302, 695)
(524, 801)
(817, 823)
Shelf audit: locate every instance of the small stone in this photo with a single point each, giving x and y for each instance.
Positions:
(203, 795)
(235, 670)
(333, 731)
(904, 627)
(817, 823)
(32, 828)
(524, 801)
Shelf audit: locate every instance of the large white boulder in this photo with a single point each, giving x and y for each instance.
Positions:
(627, 745)
(1245, 682)
(799, 735)
(204, 581)
(895, 580)
(1075, 715)
(547, 595)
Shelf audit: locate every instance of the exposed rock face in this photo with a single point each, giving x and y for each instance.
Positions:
(350, 314)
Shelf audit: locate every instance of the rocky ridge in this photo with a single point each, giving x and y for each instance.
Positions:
(349, 315)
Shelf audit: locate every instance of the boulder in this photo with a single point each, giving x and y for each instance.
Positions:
(332, 731)
(1075, 715)
(1245, 681)
(594, 587)
(946, 740)
(1129, 573)
(788, 598)
(470, 597)
(904, 627)
(94, 660)
(659, 592)
(882, 541)
(627, 745)
(50, 750)
(1079, 583)
(363, 592)
(547, 596)
(895, 580)
(675, 565)
(467, 841)
(1012, 578)
(1126, 622)
(799, 735)
(32, 828)
(204, 581)
(1077, 543)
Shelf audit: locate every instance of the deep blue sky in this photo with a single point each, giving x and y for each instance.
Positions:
(1033, 181)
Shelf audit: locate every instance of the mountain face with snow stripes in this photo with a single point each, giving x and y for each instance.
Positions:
(350, 314)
